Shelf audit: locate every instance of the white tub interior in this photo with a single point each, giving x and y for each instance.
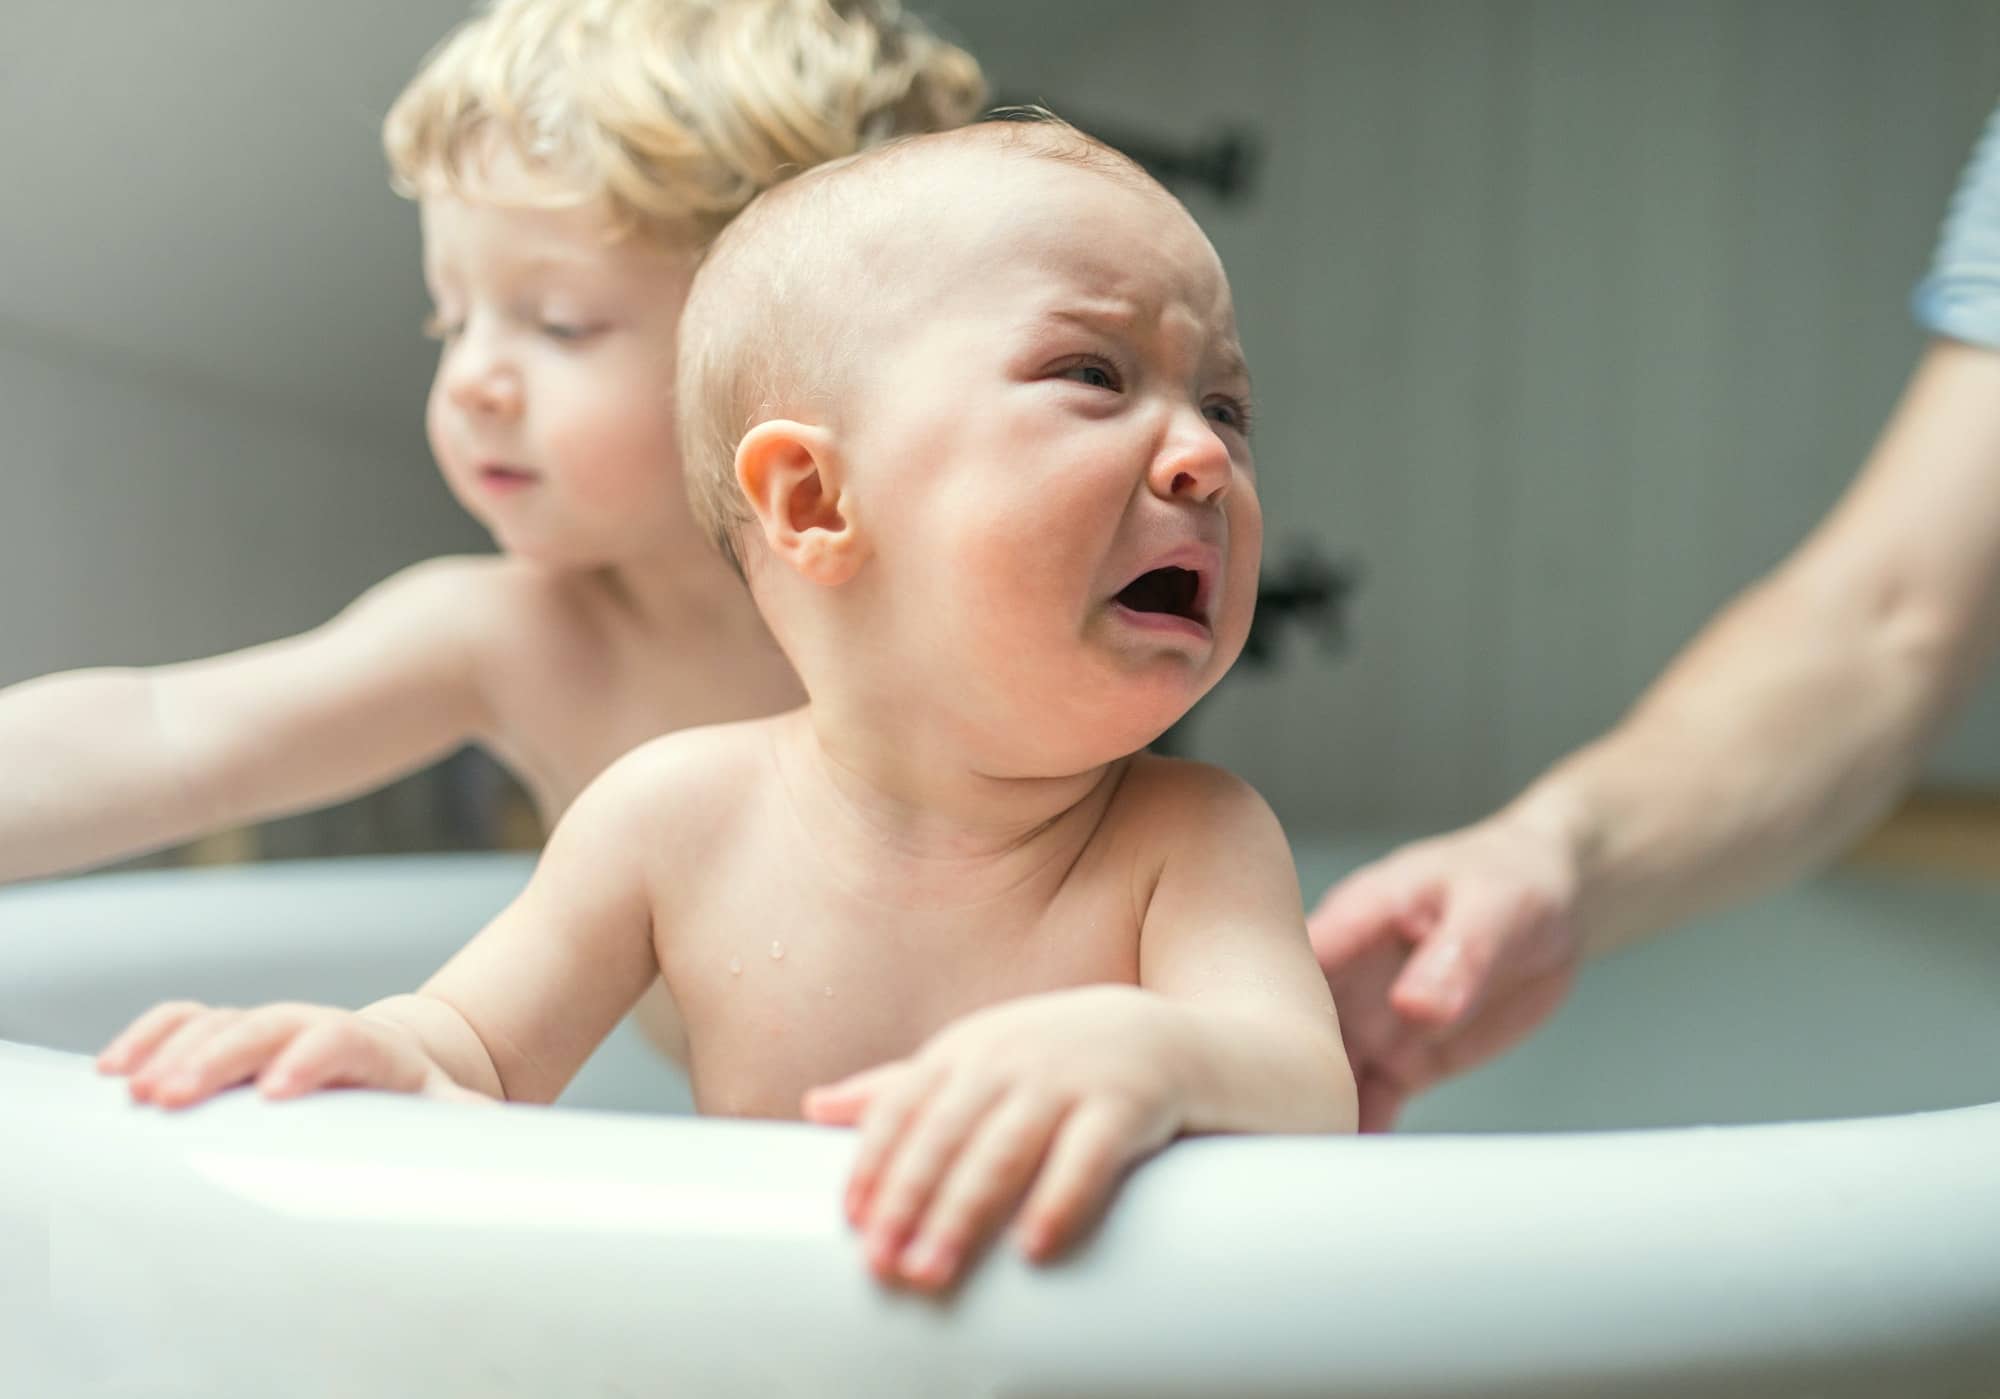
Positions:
(1848, 996)
(357, 1243)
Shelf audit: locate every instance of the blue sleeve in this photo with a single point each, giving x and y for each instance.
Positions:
(1961, 296)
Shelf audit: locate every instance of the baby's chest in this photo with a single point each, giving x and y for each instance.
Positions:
(773, 1009)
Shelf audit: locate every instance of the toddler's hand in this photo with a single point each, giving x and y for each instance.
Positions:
(180, 1053)
(1061, 1090)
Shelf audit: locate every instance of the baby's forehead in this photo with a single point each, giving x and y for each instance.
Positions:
(1042, 241)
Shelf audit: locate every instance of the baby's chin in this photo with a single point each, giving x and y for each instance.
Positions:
(1114, 725)
(1087, 753)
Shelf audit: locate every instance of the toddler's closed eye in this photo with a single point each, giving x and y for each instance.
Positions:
(436, 327)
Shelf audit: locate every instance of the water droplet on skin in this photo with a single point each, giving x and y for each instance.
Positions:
(735, 966)
(828, 993)
(777, 951)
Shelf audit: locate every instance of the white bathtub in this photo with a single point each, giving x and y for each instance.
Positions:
(364, 1245)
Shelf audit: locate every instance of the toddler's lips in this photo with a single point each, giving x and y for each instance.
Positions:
(502, 479)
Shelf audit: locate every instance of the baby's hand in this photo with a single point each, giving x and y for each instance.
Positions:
(181, 1053)
(1063, 1090)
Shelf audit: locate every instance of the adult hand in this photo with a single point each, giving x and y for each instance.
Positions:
(1445, 953)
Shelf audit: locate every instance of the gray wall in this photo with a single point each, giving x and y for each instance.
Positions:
(211, 380)
(1568, 317)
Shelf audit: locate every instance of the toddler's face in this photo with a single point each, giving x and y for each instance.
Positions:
(551, 414)
(1054, 463)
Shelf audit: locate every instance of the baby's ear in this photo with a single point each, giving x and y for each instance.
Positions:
(791, 475)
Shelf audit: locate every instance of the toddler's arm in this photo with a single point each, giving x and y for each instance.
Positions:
(513, 1015)
(106, 763)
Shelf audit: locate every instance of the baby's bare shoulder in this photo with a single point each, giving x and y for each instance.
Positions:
(1172, 798)
(688, 783)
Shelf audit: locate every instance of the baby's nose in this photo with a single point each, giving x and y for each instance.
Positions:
(1191, 465)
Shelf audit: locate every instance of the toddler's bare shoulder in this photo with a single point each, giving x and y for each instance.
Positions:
(495, 588)
(512, 613)
(459, 596)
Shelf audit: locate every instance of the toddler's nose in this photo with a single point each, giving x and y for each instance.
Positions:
(479, 381)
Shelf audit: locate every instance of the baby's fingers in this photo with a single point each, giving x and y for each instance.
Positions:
(135, 1044)
(1095, 1143)
(936, 1133)
(231, 1054)
(342, 1054)
(844, 1103)
(989, 1176)
(178, 1051)
(881, 1127)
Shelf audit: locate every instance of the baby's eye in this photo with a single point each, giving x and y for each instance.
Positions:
(567, 331)
(1097, 373)
(1232, 413)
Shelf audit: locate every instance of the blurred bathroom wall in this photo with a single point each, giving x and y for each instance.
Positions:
(211, 380)
(1567, 318)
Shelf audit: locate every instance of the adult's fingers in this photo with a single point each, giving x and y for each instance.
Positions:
(1356, 914)
(1447, 972)
(1381, 1102)
(1492, 940)
(1422, 1057)
(1368, 1022)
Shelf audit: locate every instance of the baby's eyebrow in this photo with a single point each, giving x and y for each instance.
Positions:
(1231, 364)
(1124, 316)
(1092, 315)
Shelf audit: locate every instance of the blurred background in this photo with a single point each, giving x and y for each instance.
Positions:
(1567, 317)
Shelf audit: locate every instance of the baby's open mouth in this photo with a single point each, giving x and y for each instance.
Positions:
(1173, 591)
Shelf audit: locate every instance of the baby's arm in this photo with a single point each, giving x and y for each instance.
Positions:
(513, 1015)
(105, 763)
(1224, 942)
(1232, 1029)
